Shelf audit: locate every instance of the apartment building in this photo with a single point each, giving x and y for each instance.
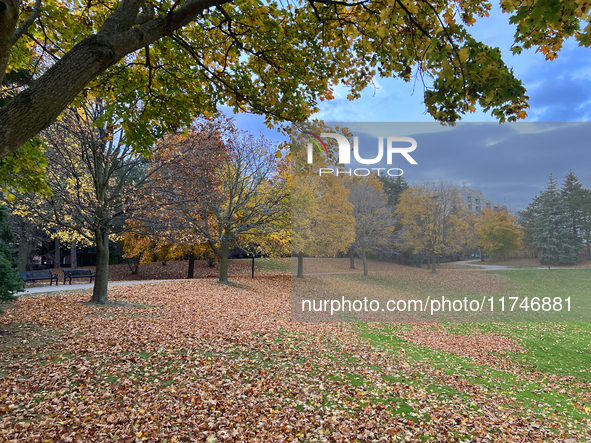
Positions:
(476, 202)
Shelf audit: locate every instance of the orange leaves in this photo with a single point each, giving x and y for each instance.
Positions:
(200, 361)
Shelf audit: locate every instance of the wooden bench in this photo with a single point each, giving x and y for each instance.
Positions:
(69, 274)
(45, 274)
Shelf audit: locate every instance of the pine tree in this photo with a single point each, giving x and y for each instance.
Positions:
(586, 220)
(393, 187)
(10, 282)
(573, 192)
(553, 235)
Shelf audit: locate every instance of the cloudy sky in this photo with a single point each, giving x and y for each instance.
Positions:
(509, 161)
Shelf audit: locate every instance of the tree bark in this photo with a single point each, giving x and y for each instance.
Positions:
(481, 254)
(8, 21)
(434, 261)
(57, 258)
(191, 271)
(101, 281)
(74, 255)
(351, 258)
(300, 265)
(364, 258)
(224, 252)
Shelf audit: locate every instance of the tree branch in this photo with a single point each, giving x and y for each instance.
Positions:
(53, 92)
(28, 22)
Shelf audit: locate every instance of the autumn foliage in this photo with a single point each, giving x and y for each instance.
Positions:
(498, 233)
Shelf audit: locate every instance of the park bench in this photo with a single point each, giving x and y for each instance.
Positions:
(69, 274)
(33, 276)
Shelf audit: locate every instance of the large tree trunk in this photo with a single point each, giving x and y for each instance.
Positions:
(351, 258)
(434, 261)
(225, 251)
(57, 258)
(191, 270)
(35, 108)
(101, 281)
(481, 254)
(74, 255)
(364, 258)
(300, 265)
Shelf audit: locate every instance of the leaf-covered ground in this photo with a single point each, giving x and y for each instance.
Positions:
(200, 361)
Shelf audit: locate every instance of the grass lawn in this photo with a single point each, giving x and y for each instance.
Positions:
(200, 361)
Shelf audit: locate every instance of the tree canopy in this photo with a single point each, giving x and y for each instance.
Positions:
(161, 64)
(498, 234)
(553, 236)
(434, 219)
(374, 220)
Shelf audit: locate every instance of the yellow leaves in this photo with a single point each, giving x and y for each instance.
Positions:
(498, 233)
(463, 53)
(382, 30)
(411, 6)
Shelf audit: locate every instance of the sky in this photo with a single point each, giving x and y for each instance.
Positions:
(509, 161)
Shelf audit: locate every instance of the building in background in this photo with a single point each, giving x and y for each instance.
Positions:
(476, 202)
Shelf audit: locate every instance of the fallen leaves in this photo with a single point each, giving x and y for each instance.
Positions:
(201, 361)
(483, 348)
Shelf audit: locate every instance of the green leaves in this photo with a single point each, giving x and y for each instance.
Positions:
(277, 61)
(24, 171)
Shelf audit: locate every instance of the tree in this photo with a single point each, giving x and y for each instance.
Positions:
(553, 236)
(322, 224)
(434, 219)
(393, 187)
(95, 179)
(10, 281)
(321, 217)
(141, 249)
(498, 234)
(586, 220)
(243, 194)
(573, 192)
(374, 221)
(525, 220)
(265, 57)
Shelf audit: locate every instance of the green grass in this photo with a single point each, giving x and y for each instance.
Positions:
(272, 264)
(532, 387)
(548, 378)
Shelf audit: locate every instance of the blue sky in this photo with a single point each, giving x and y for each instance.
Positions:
(559, 91)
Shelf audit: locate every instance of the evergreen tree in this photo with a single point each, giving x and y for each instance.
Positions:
(525, 219)
(10, 282)
(586, 220)
(393, 187)
(553, 235)
(574, 193)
